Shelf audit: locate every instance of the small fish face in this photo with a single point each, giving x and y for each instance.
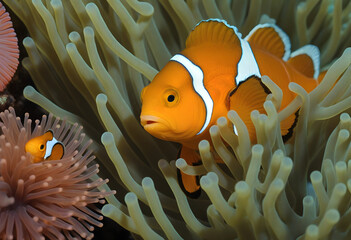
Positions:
(171, 110)
(36, 147)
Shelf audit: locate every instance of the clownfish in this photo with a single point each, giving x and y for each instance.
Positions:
(218, 71)
(45, 147)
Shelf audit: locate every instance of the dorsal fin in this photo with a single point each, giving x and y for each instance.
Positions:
(213, 30)
(48, 135)
(270, 37)
(306, 60)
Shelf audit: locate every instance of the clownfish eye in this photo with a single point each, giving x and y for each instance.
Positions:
(171, 97)
(42, 147)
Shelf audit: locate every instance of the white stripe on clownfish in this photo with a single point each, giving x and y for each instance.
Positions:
(247, 65)
(197, 77)
(49, 146)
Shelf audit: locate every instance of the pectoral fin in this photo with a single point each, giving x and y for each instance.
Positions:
(248, 96)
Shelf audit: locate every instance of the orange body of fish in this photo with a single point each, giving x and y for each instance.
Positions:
(218, 71)
(45, 147)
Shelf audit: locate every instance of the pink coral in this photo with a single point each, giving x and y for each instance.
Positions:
(9, 52)
(51, 199)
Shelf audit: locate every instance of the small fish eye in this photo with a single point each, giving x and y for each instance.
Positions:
(41, 147)
(171, 98)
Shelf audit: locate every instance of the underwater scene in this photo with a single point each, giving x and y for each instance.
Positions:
(175, 119)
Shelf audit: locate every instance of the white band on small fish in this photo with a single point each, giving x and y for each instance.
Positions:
(49, 146)
(198, 83)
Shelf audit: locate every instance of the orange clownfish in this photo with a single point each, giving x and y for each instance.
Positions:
(45, 147)
(218, 71)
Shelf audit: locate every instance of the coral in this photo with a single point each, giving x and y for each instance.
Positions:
(9, 52)
(52, 199)
(98, 56)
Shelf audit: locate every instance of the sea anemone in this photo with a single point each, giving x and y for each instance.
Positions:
(9, 52)
(99, 55)
(52, 199)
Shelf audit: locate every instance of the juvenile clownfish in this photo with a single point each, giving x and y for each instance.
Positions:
(220, 71)
(45, 147)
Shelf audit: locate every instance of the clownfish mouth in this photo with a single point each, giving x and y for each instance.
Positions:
(153, 124)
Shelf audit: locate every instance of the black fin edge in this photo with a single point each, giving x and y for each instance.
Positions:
(265, 88)
(287, 136)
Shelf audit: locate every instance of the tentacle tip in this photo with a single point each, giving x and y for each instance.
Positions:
(316, 176)
(108, 209)
(214, 129)
(205, 182)
(241, 186)
(28, 42)
(130, 198)
(312, 230)
(88, 31)
(101, 98)
(180, 163)
(162, 163)
(222, 121)
(147, 182)
(213, 176)
(70, 47)
(90, 6)
(204, 144)
(29, 91)
(107, 138)
(257, 149)
(332, 216)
